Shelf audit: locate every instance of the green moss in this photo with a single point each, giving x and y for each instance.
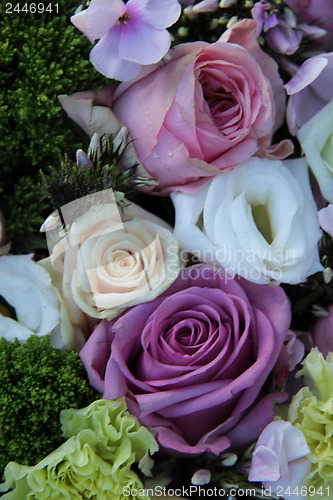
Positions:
(41, 56)
(36, 383)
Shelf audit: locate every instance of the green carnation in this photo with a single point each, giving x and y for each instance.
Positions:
(95, 462)
(311, 410)
(318, 373)
(120, 434)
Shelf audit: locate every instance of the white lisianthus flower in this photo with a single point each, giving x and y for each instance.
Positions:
(111, 262)
(316, 138)
(278, 460)
(31, 305)
(258, 221)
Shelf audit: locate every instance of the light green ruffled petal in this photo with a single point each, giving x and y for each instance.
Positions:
(15, 477)
(104, 441)
(314, 417)
(120, 434)
(73, 471)
(318, 373)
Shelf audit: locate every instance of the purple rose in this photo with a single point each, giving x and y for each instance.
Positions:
(193, 362)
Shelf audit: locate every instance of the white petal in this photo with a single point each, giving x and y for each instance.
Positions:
(142, 43)
(98, 18)
(158, 13)
(105, 57)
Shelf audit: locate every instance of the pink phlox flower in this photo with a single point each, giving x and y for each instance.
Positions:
(278, 460)
(325, 216)
(130, 35)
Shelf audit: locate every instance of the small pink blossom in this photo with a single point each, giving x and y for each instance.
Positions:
(316, 13)
(281, 29)
(4, 248)
(191, 10)
(201, 477)
(325, 216)
(130, 35)
(322, 333)
(295, 349)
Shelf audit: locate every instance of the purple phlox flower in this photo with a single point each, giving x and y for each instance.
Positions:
(130, 35)
(280, 27)
(278, 459)
(311, 83)
(325, 216)
(317, 13)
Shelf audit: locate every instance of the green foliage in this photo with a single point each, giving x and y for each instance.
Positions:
(41, 56)
(26, 207)
(36, 383)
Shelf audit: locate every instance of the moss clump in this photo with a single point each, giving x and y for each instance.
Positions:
(41, 56)
(37, 382)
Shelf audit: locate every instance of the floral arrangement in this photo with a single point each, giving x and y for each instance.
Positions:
(173, 334)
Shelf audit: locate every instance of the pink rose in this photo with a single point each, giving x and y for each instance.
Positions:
(207, 109)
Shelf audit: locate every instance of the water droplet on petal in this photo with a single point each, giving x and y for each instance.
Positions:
(150, 127)
(170, 153)
(156, 155)
(146, 112)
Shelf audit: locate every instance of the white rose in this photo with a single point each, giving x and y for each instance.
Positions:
(258, 221)
(112, 262)
(26, 287)
(316, 138)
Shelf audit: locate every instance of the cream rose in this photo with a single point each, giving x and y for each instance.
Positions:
(27, 291)
(316, 138)
(258, 221)
(111, 262)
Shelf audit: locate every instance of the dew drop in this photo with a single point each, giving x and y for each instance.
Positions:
(146, 112)
(150, 127)
(170, 153)
(156, 155)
